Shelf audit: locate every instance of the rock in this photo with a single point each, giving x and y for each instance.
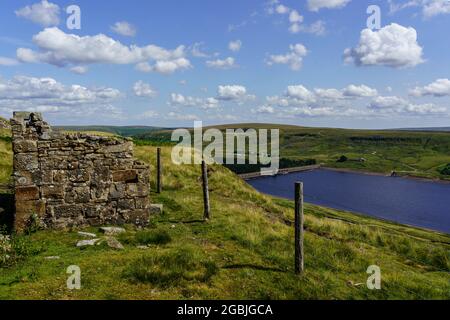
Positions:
(142, 247)
(109, 231)
(52, 258)
(114, 243)
(85, 243)
(156, 208)
(87, 234)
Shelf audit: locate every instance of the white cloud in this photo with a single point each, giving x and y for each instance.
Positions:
(430, 8)
(439, 88)
(44, 13)
(393, 46)
(301, 93)
(79, 69)
(436, 7)
(8, 62)
(61, 49)
(231, 92)
(198, 52)
(295, 17)
(49, 95)
(124, 28)
(394, 104)
(235, 46)
(329, 94)
(281, 9)
(227, 63)
(264, 109)
(359, 91)
(177, 99)
(316, 5)
(294, 58)
(142, 89)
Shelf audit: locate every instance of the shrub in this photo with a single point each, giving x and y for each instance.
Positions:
(445, 170)
(342, 159)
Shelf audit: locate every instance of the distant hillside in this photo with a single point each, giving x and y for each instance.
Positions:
(433, 129)
(407, 152)
(126, 131)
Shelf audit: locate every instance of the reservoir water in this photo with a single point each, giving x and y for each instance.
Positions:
(414, 202)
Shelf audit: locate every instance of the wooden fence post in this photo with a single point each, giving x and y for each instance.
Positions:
(159, 171)
(207, 208)
(299, 221)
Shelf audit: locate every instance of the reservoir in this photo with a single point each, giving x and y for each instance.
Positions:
(408, 201)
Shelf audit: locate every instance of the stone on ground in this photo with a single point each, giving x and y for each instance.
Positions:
(109, 231)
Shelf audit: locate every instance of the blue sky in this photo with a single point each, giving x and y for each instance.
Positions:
(168, 63)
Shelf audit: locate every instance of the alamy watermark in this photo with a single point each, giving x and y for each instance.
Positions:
(231, 149)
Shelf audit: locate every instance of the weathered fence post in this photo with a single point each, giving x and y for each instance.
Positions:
(299, 220)
(159, 173)
(207, 208)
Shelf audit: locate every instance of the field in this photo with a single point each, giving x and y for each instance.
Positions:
(244, 252)
(408, 153)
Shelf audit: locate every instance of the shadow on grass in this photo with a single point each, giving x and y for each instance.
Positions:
(254, 267)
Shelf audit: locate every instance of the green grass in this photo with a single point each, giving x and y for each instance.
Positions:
(418, 154)
(244, 252)
(6, 155)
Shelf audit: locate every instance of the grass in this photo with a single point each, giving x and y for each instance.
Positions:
(244, 252)
(418, 154)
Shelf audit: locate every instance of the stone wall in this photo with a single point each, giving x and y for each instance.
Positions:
(70, 180)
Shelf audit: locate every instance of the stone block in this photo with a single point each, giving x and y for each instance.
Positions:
(127, 176)
(24, 146)
(26, 162)
(126, 204)
(55, 191)
(78, 195)
(68, 211)
(27, 193)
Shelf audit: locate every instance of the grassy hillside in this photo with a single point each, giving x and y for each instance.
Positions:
(244, 252)
(5, 155)
(126, 131)
(421, 154)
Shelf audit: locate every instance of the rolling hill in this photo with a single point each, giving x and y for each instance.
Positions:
(244, 252)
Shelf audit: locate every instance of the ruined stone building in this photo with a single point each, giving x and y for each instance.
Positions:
(69, 180)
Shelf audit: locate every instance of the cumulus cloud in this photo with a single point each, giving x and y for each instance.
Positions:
(301, 93)
(439, 88)
(294, 58)
(295, 19)
(224, 64)
(316, 5)
(394, 104)
(44, 13)
(232, 92)
(49, 95)
(177, 99)
(124, 28)
(359, 91)
(61, 49)
(235, 46)
(393, 46)
(142, 89)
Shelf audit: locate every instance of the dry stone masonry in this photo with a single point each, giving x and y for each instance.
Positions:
(71, 180)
